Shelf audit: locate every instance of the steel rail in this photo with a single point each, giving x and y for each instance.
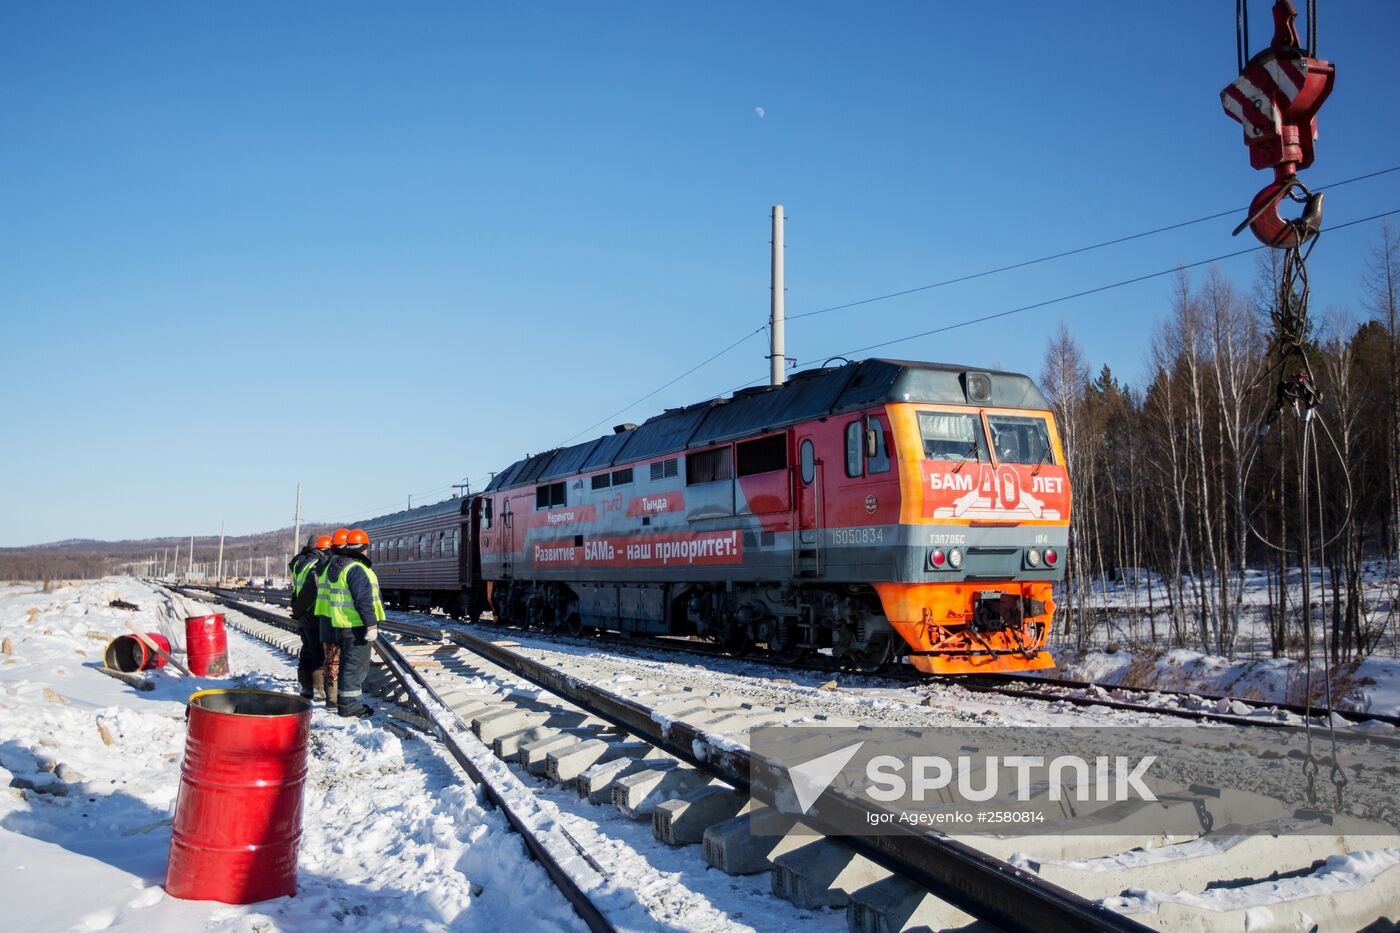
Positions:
(979, 884)
(551, 847)
(976, 883)
(1001, 684)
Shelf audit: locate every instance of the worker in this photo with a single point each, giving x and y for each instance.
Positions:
(322, 611)
(311, 660)
(350, 590)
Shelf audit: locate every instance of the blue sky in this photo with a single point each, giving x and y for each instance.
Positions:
(378, 248)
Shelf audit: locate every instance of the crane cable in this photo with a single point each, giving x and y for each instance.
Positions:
(1296, 389)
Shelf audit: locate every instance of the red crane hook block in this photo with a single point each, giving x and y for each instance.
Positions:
(1276, 99)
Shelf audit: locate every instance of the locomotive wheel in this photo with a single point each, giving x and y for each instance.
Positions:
(785, 648)
(872, 657)
(737, 642)
(573, 624)
(788, 654)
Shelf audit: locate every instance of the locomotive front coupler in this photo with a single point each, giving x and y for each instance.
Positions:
(996, 611)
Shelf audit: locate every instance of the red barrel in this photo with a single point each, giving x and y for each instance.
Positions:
(206, 645)
(238, 814)
(128, 654)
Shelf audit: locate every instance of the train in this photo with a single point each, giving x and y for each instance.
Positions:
(879, 511)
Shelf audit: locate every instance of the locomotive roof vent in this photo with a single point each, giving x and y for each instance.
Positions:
(624, 427)
(977, 387)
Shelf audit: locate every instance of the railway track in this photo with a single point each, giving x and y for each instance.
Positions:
(678, 758)
(1198, 707)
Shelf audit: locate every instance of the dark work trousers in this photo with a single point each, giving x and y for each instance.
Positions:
(312, 656)
(354, 666)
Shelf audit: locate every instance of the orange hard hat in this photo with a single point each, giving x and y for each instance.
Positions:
(338, 539)
(323, 542)
(357, 536)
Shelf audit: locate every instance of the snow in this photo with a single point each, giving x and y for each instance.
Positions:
(1370, 685)
(1338, 874)
(392, 838)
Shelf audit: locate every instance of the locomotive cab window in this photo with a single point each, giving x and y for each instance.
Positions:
(486, 513)
(551, 496)
(808, 457)
(1020, 439)
(952, 436)
(877, 455)
(865, 448)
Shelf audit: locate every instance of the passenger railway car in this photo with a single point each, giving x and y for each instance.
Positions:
(416, 555)
(876, 510)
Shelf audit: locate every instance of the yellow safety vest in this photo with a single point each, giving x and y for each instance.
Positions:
(304, 566)
(340, 603)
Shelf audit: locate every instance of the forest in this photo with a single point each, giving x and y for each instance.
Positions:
(1188, 518)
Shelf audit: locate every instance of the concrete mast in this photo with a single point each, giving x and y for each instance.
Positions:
(777, 361)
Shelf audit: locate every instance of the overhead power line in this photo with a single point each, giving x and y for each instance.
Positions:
(1086, 292)
(966, 278)
(666, 385)
(1061, 255)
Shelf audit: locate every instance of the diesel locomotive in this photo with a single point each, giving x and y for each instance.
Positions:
(874, 511)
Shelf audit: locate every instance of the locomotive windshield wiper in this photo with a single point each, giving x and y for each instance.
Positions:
(968, 455)
(1044, 458)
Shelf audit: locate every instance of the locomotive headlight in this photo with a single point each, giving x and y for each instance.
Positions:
(1032, 557)
(955, 558)
(937, 558)
(1051, 556)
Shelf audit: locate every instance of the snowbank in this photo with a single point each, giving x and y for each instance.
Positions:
(1371, 685)
(89, 769)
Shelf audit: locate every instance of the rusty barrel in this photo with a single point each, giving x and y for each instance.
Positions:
(238, 814)
(206, 645)
(129, 654)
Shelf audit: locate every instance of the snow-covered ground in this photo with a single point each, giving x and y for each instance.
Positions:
(1371, 685)
(392, 838)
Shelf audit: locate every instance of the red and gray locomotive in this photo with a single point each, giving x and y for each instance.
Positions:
(873, 511)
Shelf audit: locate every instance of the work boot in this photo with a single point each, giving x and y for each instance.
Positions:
(307, 683)
(364, 712)
(318, 685)
(332, 674)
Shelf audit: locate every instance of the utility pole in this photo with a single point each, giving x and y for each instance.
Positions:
(296, 535)
(175, 564)
(410, 503)
(777, 362)
(464, 487)
(189, 567)
(221, 554)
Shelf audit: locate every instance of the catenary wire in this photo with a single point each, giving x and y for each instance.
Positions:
(1080, 294)
(953, 281)
(1061, 255)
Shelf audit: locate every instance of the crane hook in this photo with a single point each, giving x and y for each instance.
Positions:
(1265, 222)
(1276, 99)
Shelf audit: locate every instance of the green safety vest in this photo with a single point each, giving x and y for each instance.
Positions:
(303, 570)
(340, 605)
(321, 609)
